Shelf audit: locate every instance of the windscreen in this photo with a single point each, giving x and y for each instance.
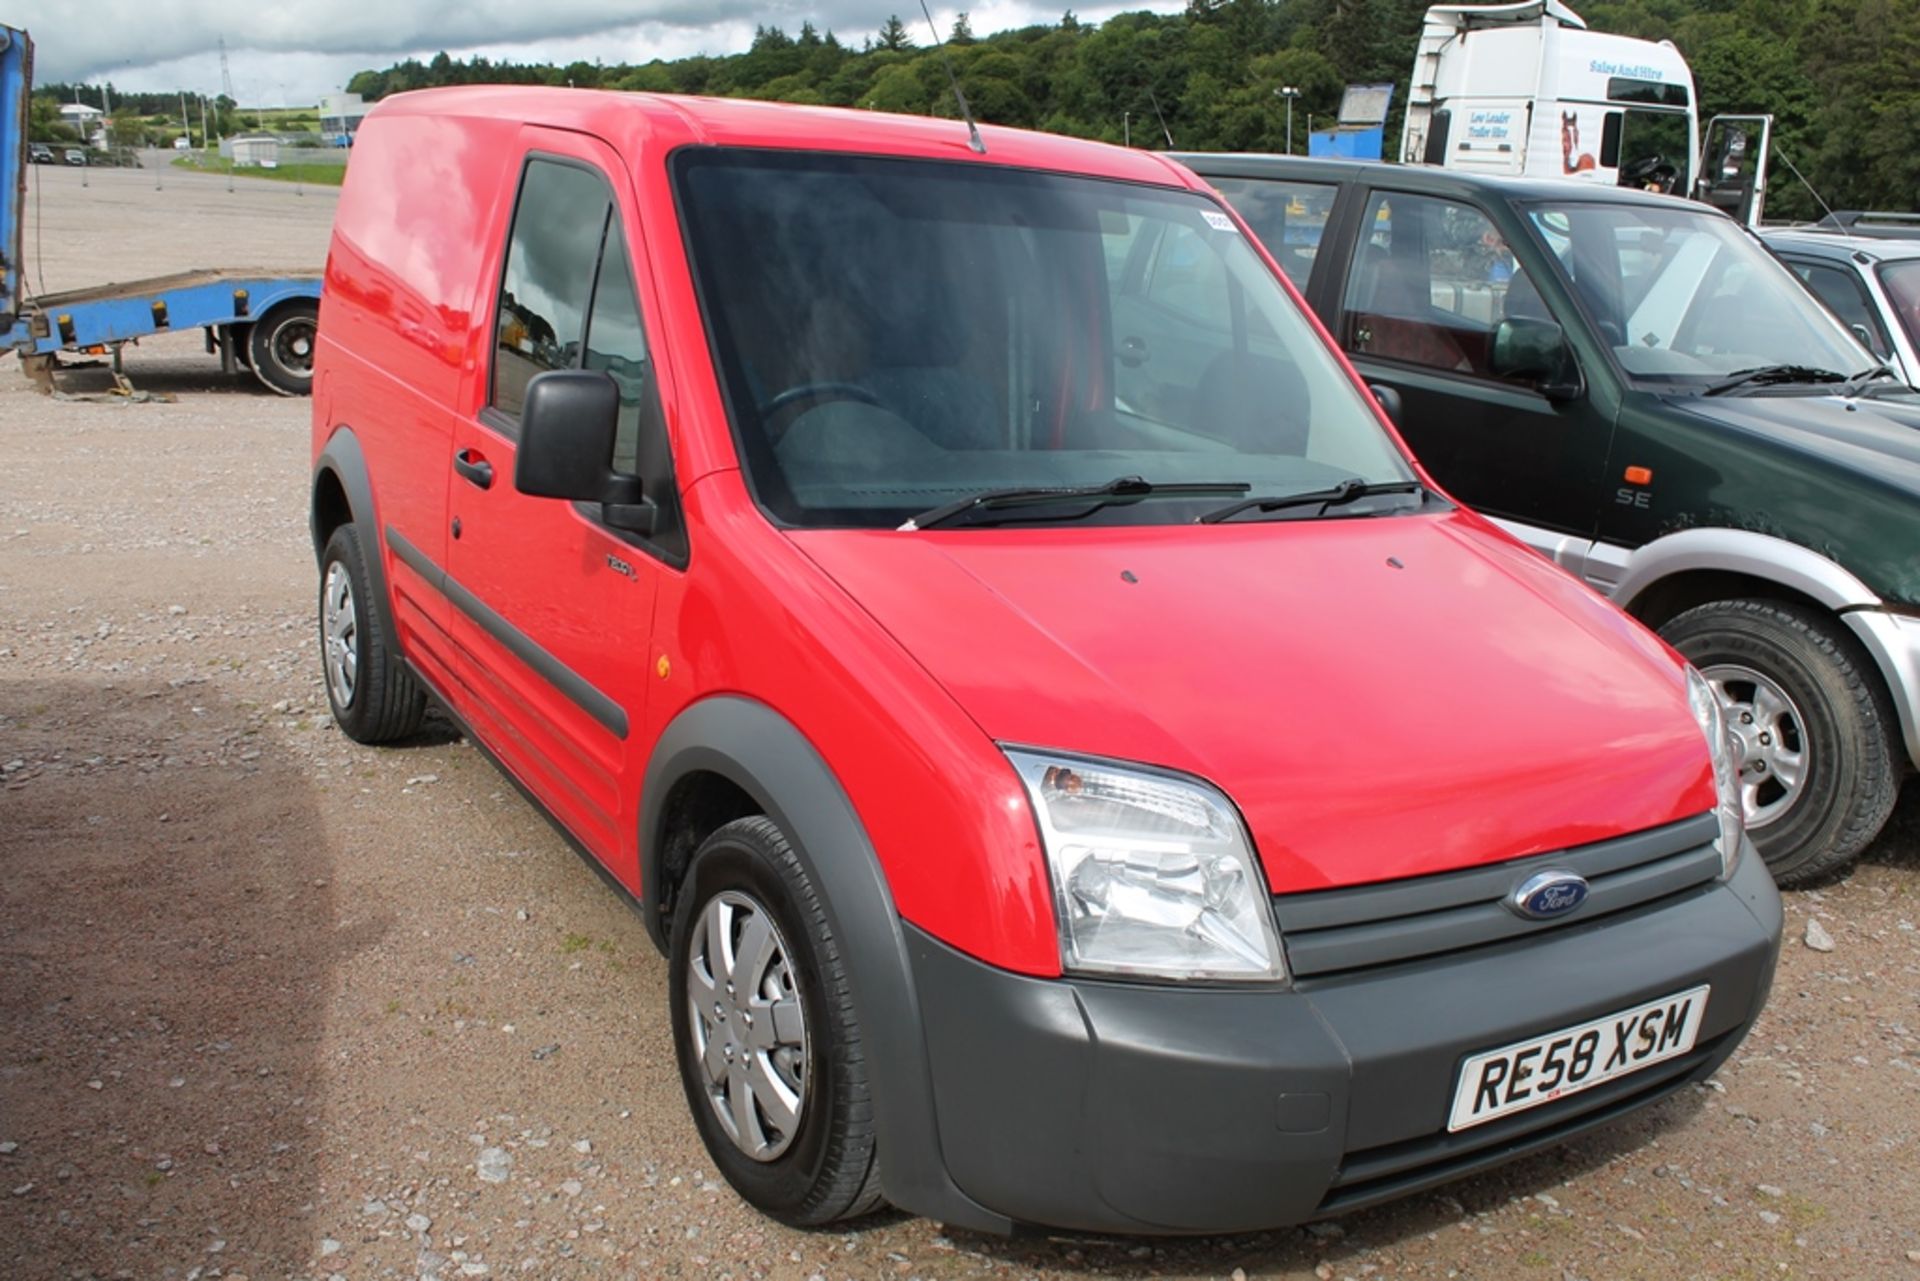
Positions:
(1684, 295)
(894, 335)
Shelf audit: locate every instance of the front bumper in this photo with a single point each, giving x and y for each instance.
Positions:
(1110, 1107)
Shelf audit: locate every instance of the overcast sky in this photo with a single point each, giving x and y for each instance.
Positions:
(287, 55)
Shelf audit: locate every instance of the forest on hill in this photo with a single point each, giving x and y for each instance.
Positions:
(1841, 77)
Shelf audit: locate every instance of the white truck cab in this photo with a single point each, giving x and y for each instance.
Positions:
(1527, 89)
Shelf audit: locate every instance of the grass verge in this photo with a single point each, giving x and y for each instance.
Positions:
(318, 175)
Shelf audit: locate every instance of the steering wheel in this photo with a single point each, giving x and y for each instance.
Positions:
(778, 413)
(1651, 171)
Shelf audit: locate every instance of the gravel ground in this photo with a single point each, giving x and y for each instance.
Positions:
(275, 1005)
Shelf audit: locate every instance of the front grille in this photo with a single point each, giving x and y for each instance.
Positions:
(1380, 1174)
(1338, 931)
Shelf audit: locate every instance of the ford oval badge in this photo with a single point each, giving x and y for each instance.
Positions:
(1546, 895)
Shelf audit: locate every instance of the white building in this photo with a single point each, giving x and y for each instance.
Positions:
(340, 117)
(252, 149)
(89, 122)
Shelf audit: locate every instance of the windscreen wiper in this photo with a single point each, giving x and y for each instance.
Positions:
(1857, 384)
(1347, 491)
(1119, 489)
(1767, 375)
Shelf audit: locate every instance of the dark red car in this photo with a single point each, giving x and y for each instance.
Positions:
(1083, 772)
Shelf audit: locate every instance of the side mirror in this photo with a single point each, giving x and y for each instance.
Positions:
(1535, 351)
(1389, 399)
(567, 425)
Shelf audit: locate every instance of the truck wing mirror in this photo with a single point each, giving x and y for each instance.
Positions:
(1535, 351)
(567, 425)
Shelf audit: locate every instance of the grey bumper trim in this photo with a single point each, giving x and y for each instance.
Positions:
(1115, 1107)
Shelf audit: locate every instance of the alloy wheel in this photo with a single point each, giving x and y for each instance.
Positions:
(340, 634)
(749, 1028)
(1769, 741)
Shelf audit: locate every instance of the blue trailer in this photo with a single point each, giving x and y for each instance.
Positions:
(265, 321)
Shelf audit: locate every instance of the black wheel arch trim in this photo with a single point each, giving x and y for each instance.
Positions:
(578, 689)
(767, 757)
(343, 460)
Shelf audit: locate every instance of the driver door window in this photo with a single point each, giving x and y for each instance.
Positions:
(567, 301)
(616, 343)
(1428, 286)
(557, 229)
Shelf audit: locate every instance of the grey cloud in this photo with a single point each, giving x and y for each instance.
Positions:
(282, 52)
(108, 36)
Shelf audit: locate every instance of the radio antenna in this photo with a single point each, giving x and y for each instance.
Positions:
(1781, 152)
(974, 140)
(1162, 119)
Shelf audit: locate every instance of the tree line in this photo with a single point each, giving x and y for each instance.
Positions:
(1841, 77)
(135, 119)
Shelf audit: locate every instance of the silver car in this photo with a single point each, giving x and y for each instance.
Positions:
(1872, 283)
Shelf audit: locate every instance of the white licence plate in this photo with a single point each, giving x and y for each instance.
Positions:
(1527, 1074)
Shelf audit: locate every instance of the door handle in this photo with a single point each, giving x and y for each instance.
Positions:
(1133, 351)
(474, 469)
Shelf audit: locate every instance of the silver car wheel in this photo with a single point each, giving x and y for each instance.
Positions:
(749, 1028)
(340, 634)
(1769, 741)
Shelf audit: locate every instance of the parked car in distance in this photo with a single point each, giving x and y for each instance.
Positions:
(76, 156)
(1629, 384)
(1872, 284)
(1874, 224)
(40, 154)
(1021, 744)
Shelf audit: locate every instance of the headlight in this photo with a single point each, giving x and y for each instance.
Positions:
(1153, 875)
(1726, 771)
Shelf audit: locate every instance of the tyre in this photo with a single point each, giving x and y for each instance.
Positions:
(1810, 725)
(763, 1023)
(375, 699)
(280, 347)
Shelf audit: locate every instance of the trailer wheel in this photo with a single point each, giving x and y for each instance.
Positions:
(281, 347)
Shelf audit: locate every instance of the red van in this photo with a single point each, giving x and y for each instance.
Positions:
(1081, 770)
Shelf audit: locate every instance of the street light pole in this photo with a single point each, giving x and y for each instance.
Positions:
(1126, 126)
(1289, 92)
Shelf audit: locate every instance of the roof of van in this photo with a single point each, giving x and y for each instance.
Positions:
(1430, 179)
(670, 120)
